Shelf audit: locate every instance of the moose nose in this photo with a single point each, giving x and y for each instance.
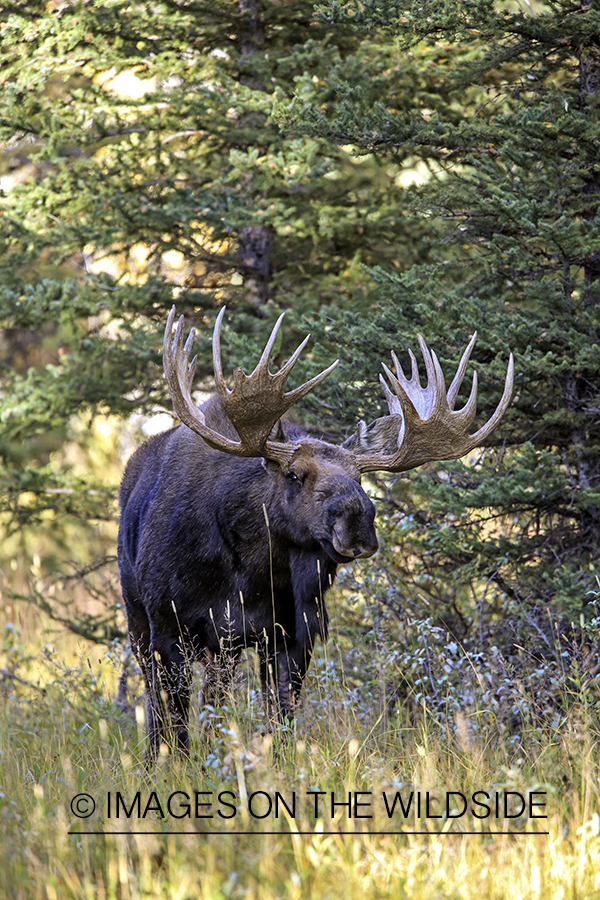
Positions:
(366, 552)
(365, 547)
(354, 552)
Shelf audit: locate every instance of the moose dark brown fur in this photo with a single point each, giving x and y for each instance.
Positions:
(233, 524)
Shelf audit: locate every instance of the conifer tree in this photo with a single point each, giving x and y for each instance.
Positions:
(428, 169)
(141, 167)
(509, 136)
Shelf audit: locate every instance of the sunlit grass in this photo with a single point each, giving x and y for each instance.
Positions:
(68, 737)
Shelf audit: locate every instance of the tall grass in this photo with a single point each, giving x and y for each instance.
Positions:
(62, 735)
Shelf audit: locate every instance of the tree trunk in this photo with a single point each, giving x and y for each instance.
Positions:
(255, 242)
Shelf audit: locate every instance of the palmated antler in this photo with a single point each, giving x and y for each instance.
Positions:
(253, 405)
(423, 425)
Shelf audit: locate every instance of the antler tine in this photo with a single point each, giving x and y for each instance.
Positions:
(400, 371)
(172, 359)
(435, 376)
(191, 369)
(299, 392)
(489, 426)
(414, 366)
(465, 416)
(460, 373)
(167, 351)
(394, 400)
(401, 377)
(426, 358)
(289, 365)
(423, 425)
(263, 363)
(184, 371)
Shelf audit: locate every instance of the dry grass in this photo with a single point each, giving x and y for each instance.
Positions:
(68, 738)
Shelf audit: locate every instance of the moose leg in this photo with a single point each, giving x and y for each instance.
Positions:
(170, 694)
(281, 675)
(139, 637)
(292, 664)
(287, 666)
(218, 672)
(304, 619)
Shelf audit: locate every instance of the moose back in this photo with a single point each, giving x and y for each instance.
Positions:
(233, 523)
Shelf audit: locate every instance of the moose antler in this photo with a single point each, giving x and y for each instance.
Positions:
(253, 405)
(423, 425)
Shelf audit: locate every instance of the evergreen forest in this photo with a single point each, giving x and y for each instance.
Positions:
(377, 170)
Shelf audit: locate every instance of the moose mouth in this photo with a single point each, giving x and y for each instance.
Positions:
(333, 553)
(350, 555)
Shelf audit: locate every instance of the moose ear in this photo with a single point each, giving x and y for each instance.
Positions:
(271, 466)
(276, 434)
(381, 436)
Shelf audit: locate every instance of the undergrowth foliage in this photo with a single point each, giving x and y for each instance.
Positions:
(462, 655)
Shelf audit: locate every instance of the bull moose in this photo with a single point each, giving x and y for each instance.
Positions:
(233, 523)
